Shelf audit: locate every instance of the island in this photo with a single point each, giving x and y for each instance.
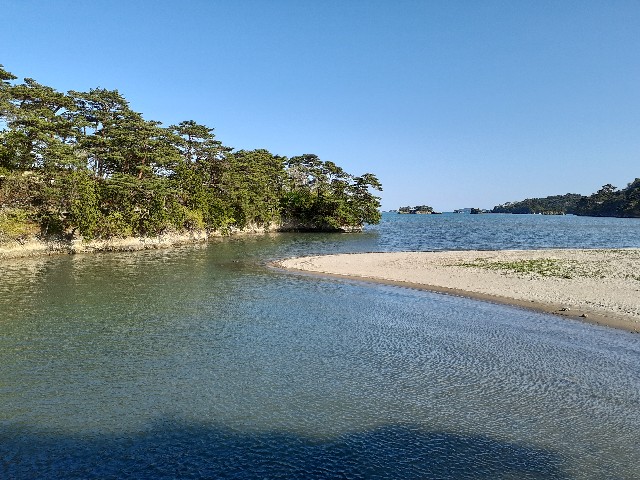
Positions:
(82, 167)
(471, 211)
(418, 210)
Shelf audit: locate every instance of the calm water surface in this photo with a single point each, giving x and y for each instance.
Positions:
(200, 362)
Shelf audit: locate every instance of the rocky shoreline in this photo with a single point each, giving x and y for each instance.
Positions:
(34, 247)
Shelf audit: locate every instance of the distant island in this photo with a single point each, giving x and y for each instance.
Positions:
(419, 210)
(471, 211)
(85, 165)
(609, 201)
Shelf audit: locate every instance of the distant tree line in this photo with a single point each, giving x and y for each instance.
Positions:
(85, 163)
(556, 204)
(609, 201)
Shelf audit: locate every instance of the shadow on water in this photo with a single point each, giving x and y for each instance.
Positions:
(179, 450)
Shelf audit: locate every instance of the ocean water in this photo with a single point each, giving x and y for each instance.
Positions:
(203, 362)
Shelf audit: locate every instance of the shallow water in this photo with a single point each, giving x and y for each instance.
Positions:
(200, 362)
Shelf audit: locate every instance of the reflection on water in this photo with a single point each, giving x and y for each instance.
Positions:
(199, 362)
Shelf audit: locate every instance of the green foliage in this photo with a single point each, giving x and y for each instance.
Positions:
(631, 204)
(114, 224)
(82, 201)
(606, 202)
(320, 195)
(17, 189)
(40, 128)
(85, 164)
(5, 92)
(544, 267)
(191, 219)
(147, 206)
(253, 182)
(423, 209)
(17, 224)
(611, 202)
(66, 202)
(553, 205)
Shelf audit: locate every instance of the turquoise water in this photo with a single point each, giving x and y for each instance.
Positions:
(201, 362)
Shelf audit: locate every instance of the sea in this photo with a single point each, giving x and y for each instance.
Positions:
(203, 361)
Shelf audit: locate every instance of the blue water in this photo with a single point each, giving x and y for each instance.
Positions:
(201, 362)
(503, 231)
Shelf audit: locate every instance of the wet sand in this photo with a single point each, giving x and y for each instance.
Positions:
(596, 286)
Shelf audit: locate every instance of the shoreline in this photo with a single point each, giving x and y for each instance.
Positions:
(452, 273)
(35, 247)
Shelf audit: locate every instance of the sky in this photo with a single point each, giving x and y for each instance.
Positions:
(450, 103)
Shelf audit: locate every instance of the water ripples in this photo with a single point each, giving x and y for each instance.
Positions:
(200, 363)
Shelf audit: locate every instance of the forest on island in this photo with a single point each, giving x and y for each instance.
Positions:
(609, 201)
(85, 164)
(420, 209)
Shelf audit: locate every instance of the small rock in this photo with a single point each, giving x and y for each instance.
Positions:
(584, 315)
(565, 309)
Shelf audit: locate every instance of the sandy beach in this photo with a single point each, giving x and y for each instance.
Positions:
(596, 286)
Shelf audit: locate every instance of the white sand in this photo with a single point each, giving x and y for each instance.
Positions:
(600, 286)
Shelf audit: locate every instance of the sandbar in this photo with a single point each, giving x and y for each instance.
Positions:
(596, 286)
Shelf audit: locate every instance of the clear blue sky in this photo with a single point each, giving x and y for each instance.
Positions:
(450, 103)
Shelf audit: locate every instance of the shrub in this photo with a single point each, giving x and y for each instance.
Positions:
(17, 224)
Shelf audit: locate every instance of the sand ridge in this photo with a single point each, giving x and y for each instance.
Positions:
(599, 286)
